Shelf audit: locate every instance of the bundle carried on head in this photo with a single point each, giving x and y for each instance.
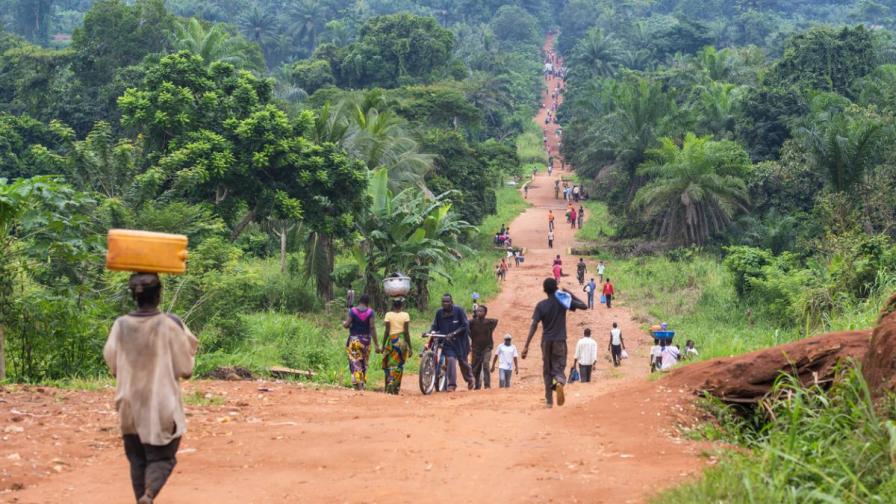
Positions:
(146, 252)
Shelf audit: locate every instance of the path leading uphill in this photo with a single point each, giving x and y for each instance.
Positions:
(615, 441)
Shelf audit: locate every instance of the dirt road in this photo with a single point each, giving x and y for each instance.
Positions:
(613, 442)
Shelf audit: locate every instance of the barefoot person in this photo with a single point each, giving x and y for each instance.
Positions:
(551, 313)
(451, 321)
(361, 332)
(147, 352)
(396, 345)
(481, 333)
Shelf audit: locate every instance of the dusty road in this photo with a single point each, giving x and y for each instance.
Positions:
(614, 441)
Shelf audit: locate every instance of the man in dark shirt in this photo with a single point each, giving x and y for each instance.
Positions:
(452, 322)
(481, 331)
(552, 315)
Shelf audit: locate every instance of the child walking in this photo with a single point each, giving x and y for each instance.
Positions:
(148, 351)
(508, 358)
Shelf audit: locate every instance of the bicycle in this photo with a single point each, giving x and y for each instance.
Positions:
(433, 366)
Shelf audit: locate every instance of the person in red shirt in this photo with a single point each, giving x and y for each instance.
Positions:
(608, 292)
(573, 218)
(558, 271)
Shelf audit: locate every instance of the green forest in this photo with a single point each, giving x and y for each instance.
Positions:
(740, 156)
(303, 154)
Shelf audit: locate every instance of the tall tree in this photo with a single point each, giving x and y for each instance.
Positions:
(694, 190)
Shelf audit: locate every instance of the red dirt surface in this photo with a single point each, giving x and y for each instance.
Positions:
(749, 377)
(615, 441)
(879, 365)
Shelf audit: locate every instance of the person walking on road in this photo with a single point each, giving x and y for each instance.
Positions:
(147, 352)
(586, 356)
(507, 358)
(557, 271)
(617, 345)
(451, 321)
(601, 267)
(550, 220)
(550, 239)
(551, 313)
(581, 215)
(573, 218)
(581, 268)
(396, 345)
(481, 334)
(590, 289)
(609, 292)
(361, 332)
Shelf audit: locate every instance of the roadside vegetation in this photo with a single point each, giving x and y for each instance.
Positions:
(304, 154)
(745, 153)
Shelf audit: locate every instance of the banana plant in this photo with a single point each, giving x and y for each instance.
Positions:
(409, 232)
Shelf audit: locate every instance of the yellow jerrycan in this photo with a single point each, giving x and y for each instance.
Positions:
(146, 252)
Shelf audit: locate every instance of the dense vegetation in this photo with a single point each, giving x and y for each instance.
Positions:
(305, 149)
(742, 152)
(744, 155)
(761, 130)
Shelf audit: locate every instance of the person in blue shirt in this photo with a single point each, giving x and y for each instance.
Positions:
(451, 321)
(590, 288)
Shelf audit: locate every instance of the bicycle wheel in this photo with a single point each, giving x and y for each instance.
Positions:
(442, 376)
(427, 372)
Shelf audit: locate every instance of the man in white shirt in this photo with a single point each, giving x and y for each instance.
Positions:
(670, 354)
(586, 356)
(617, 344)
(508, 357)
(600, 271)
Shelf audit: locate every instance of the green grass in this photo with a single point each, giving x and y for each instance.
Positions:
(696, 297)
(316, 341)
(199, 398)
(598, 222)
(530, 147)
(821, 447)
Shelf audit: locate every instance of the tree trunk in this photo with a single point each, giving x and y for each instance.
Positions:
(2, 354)
(421, 297)
(282, 234)
(241, 226)
(324, 279)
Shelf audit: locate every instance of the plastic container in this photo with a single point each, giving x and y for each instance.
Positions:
(146, 252)
(397, 286)
(666, 335)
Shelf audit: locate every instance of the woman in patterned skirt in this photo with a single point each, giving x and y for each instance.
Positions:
(396, 345)
(361, 331)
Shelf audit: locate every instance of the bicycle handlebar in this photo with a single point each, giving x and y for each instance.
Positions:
(434, 335)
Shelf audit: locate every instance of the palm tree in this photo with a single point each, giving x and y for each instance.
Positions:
(262, 28)
(845, 148)
(694, 190)
(380, 141)
(215, 43)
(597, 54)
(716, 108)
(492, 95)
(306, 18)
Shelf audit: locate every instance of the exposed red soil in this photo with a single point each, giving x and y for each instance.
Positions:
(749, 377)
(615, 441)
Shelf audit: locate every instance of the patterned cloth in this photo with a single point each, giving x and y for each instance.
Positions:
(396, 353)
(358, 350)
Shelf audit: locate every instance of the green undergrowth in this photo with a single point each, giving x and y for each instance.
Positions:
(695, 295)
(315, 341)
(809, 446)
(597, 224)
